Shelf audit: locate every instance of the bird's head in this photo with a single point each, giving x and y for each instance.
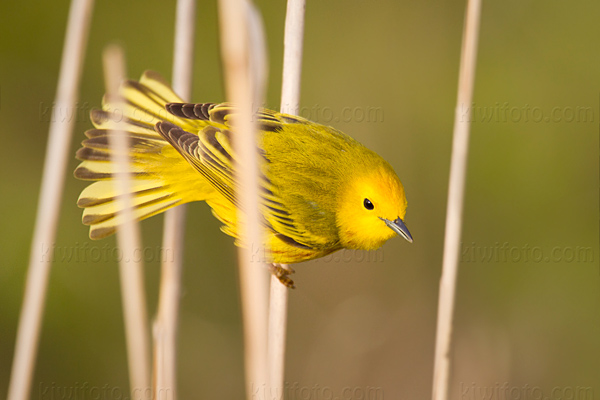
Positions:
(371, 209)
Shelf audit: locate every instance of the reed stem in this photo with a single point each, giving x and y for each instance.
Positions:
(48, 209)
(458, 172)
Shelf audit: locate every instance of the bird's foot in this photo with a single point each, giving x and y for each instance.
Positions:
(283, 272)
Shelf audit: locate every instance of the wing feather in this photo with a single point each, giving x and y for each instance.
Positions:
(210, 152)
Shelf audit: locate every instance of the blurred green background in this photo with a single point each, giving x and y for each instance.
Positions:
(360, 325)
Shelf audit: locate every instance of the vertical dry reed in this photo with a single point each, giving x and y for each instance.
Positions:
(165, 327)
(128, 235)
(243, 53)
(290, 103)
(55, 165)
(458, 170)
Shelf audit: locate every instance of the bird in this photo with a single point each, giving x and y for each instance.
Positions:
(320, 190)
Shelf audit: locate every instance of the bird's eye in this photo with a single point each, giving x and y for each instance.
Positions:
(368, 205)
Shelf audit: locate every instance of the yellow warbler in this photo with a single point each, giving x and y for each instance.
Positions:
(321, 190)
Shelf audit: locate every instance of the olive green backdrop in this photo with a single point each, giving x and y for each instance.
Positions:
(361, 325)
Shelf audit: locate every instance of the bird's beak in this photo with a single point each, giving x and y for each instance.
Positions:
(399, 227)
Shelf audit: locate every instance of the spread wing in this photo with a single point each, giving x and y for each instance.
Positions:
(211, 153)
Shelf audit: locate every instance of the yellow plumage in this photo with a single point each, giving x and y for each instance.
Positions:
(321, 190)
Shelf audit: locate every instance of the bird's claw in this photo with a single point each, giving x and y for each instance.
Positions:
(283, 274)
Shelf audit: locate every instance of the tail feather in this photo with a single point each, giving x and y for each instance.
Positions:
(145, 103)
(103, 228)
(103, 211)
(102, 192)
(161, 177)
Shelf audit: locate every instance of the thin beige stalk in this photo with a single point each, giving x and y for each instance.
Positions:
(458, 171)
(53, 178)
(243, 53)
(165, 326)
(278, 301)
(290, 104)
(128, 236)
(292, 56)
